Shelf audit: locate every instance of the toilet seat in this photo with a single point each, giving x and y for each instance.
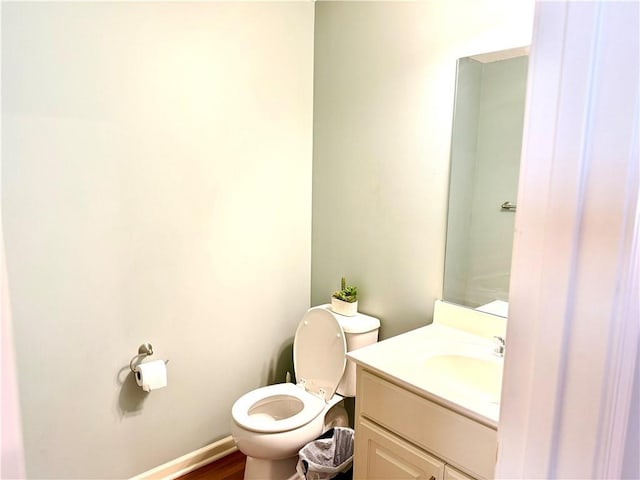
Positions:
(298, 408)
(284, 407)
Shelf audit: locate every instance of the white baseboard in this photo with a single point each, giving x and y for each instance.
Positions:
(191, 461)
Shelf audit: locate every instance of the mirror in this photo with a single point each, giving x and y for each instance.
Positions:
(485, 162)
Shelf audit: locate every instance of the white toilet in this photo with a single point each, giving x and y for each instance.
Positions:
(271, 424)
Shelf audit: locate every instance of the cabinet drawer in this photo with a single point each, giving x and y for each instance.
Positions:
(453, 474)
(380, 455)
(454, 438)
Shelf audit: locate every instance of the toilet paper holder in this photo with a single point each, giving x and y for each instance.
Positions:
(144, 350)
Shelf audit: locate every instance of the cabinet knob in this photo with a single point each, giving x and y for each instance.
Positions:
(432, 477)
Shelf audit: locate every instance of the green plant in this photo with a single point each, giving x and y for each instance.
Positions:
(347, 293)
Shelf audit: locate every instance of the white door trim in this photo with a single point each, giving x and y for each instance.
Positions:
(573, 326)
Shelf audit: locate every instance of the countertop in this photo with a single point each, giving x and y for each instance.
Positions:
(401, 359)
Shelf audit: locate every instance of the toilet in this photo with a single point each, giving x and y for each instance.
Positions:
(271, 424)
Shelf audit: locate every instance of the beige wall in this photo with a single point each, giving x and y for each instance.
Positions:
(156, 185)
(384, 78)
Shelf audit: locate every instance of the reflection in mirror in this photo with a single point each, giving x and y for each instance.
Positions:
(485, 160)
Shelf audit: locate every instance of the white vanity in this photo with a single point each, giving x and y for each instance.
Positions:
(427, 401)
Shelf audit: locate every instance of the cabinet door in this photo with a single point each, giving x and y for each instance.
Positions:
(451, 473)
(380, 455)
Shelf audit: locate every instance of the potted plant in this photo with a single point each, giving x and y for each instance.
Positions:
(345, 300)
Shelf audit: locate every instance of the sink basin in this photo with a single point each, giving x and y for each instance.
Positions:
(464, 375)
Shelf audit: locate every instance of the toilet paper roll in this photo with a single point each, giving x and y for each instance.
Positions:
(151, 375)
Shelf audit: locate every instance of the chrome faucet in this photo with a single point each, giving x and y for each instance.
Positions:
(500, 346)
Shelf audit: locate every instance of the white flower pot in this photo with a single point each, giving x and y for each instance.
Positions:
(344, 308)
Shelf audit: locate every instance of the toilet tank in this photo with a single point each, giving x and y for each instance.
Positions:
(359, 331)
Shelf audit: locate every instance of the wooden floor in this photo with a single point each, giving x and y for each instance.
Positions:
(230, 467)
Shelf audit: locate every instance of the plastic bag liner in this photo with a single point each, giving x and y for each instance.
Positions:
(328, 456)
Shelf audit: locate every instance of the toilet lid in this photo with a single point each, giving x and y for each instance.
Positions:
(319, 352)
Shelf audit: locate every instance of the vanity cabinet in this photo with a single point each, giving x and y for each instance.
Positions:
(400, 434)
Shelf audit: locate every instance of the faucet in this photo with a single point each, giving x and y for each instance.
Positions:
(500, 346)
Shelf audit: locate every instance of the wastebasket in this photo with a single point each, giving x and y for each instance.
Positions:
(328, 456)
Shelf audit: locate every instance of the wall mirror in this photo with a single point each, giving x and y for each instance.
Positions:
(485, 162)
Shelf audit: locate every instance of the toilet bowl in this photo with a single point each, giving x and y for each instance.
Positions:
(271, 424)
